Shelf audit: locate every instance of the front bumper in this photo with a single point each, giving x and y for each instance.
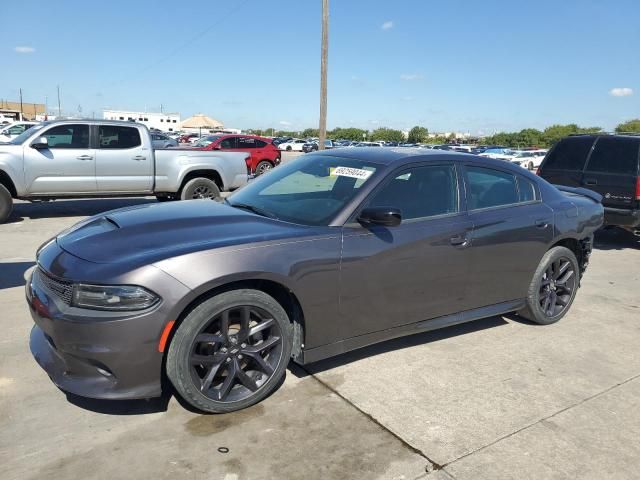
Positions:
(626, 218)
(96, 354)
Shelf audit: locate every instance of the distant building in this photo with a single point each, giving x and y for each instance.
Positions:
(16, 111)
(167, 122)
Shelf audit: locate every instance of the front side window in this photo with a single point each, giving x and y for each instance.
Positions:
(309, 191)
(228, 143)
(488, 188)
(569, 154)
(68, 136)
(615, 155)
(118, 137)
(421, 192)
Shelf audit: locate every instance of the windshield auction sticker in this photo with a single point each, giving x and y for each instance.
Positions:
(351, 172)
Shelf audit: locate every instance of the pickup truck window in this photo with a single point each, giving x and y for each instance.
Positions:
(68, 136)
(118, 137)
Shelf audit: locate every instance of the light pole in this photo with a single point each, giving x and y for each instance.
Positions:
(322, 135)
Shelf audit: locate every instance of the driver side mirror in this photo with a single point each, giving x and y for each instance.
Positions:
(40, 143)
(385, 216)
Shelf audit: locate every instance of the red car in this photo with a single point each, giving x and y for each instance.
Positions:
(264, 155)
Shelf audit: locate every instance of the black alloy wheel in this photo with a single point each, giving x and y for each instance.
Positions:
(231, 351)
(553, 287)
(557, 287)
(236, 353)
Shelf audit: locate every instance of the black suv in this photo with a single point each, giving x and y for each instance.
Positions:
(606, 163)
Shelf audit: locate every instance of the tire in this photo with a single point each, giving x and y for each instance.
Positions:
(201, 338)
(6, 204)
(289, 148)
(552, 281)
(263, 167)
(200, 189)
(530, 165)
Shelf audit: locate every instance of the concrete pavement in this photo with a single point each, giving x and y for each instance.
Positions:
(498, 398)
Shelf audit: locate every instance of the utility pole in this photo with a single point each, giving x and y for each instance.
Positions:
(21, 118)
(59, 109)
(323, 75)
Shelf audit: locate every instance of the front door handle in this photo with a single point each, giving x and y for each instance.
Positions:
(459, 241)
(541, 223)
(139, 157)
(591, 181)
(85, 157)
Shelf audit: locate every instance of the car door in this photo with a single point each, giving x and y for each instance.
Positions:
(612, 170)
(124, 162)
(512, 228)
(66, 166)
(248, 144)
(393, 276)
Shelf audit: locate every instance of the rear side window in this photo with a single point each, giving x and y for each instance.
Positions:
(490, 188)
(68, 136)
(615, 155)
(246, 142)
(118, 137)
(526, 190)
(260, 144)
(569, 154)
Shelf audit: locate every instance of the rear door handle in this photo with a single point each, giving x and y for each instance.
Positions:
(591, 181)
(139, 157)
(85, 157)
(459, 241)
(540, 223)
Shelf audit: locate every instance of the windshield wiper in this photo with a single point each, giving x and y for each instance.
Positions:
(252, 209)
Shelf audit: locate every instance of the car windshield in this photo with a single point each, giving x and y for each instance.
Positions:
(20, 139)
(205, 141)
(310, 190)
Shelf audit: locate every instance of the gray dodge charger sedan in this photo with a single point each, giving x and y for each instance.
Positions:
(331, 252)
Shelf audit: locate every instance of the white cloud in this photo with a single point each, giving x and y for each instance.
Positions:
(411, 76)
(284, 123)
(621, 92)
(23, 49)
(388, 25)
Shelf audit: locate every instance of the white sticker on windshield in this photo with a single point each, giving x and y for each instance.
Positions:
(351, 172)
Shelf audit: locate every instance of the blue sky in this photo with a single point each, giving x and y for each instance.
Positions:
(450, 65)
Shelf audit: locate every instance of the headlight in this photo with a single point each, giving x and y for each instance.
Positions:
(113, 297)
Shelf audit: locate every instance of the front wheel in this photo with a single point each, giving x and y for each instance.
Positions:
(231, 351)
(553, 287)
(289, 148)
(530, 165)
(6, 204)
(200, 189)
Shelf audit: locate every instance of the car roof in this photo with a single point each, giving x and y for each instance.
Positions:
(402, 155)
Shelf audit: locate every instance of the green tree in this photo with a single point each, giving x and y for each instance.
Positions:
(387, 135)
(418, 135)
(632, 126)
(310, 132)
(356, 134)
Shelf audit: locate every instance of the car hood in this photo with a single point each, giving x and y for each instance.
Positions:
(149, 233)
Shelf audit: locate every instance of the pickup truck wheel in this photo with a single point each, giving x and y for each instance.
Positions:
(263, 167)
(6, 204)
(231, 351)
(200, 189)
(553, 287)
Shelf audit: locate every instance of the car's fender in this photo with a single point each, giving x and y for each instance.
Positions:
(11, 166)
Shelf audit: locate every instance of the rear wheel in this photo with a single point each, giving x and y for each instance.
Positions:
(6, 204)
(553, 287)
(263, 167)
(231, 351)
(200, 189)
(530, 165)
(289, 148)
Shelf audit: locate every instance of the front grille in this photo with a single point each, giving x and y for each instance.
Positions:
(60, 288)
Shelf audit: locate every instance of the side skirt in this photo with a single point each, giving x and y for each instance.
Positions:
(353, 343)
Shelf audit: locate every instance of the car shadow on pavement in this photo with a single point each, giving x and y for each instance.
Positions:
(12, 274)
(615, 239)
(73, 208)
(399, 343)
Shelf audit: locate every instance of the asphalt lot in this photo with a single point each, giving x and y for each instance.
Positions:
(498, 398)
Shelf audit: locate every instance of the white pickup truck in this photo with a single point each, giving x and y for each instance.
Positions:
(96, 158)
